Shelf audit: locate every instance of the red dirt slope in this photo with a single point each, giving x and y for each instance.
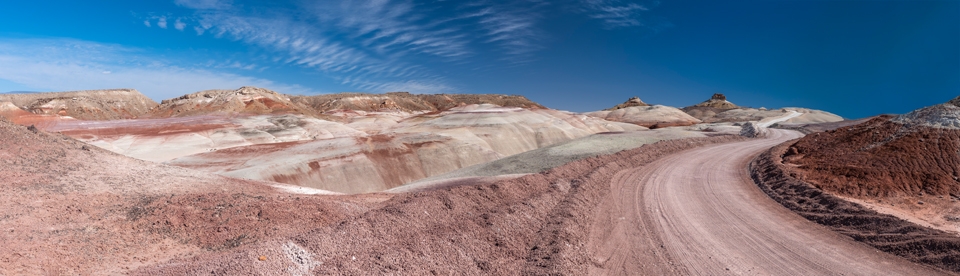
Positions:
(785, 183)
(881, 158)
(74, 209)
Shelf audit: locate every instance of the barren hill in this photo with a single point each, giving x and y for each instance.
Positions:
(716, 104)
(907, 165)
(887, 156)
(656, 116)
(719, 110)
(415, 148)
(109, 104)
(407, 102)
(247, 99)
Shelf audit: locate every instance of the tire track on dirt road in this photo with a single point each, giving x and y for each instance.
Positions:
(698, 212)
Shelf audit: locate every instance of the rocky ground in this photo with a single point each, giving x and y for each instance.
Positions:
(789, 185)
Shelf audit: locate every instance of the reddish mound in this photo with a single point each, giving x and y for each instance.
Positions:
(881, 158)
(21, 117)
(784, 183)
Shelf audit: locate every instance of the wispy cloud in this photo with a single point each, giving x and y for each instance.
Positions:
(513, 31)
(419, 87)
(620, 13)
(370, 40)
(385, 41)
(387, 44)
(63, 64)
(203, 4)
(388, 26)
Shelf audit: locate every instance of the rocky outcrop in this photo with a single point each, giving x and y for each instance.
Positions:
(110, 104)
(656, 116)
(246, 100)
(716, 104)
(633, 101)
(751, 130)
(717, 101)
(945, 115)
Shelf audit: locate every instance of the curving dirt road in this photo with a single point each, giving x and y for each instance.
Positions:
(698, 212)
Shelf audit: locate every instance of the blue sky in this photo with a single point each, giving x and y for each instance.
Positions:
(853, 58)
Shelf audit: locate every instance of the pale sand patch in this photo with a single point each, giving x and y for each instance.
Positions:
(767, 122)
(294, 189)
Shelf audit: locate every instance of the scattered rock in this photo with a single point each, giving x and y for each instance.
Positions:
(751, 130)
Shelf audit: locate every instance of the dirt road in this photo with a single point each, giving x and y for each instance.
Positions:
(698, 212)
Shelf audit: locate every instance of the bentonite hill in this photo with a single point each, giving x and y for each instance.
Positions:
(253, 181)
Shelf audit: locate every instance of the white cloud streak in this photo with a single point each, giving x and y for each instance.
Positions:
(617, 13)
(386, 44)
(203, 4)
(375, 51)
(61, 65)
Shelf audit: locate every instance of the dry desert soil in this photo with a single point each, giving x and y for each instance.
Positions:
(464, 185)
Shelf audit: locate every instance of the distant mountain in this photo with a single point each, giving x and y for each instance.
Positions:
(106, 104)
(20, 92)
